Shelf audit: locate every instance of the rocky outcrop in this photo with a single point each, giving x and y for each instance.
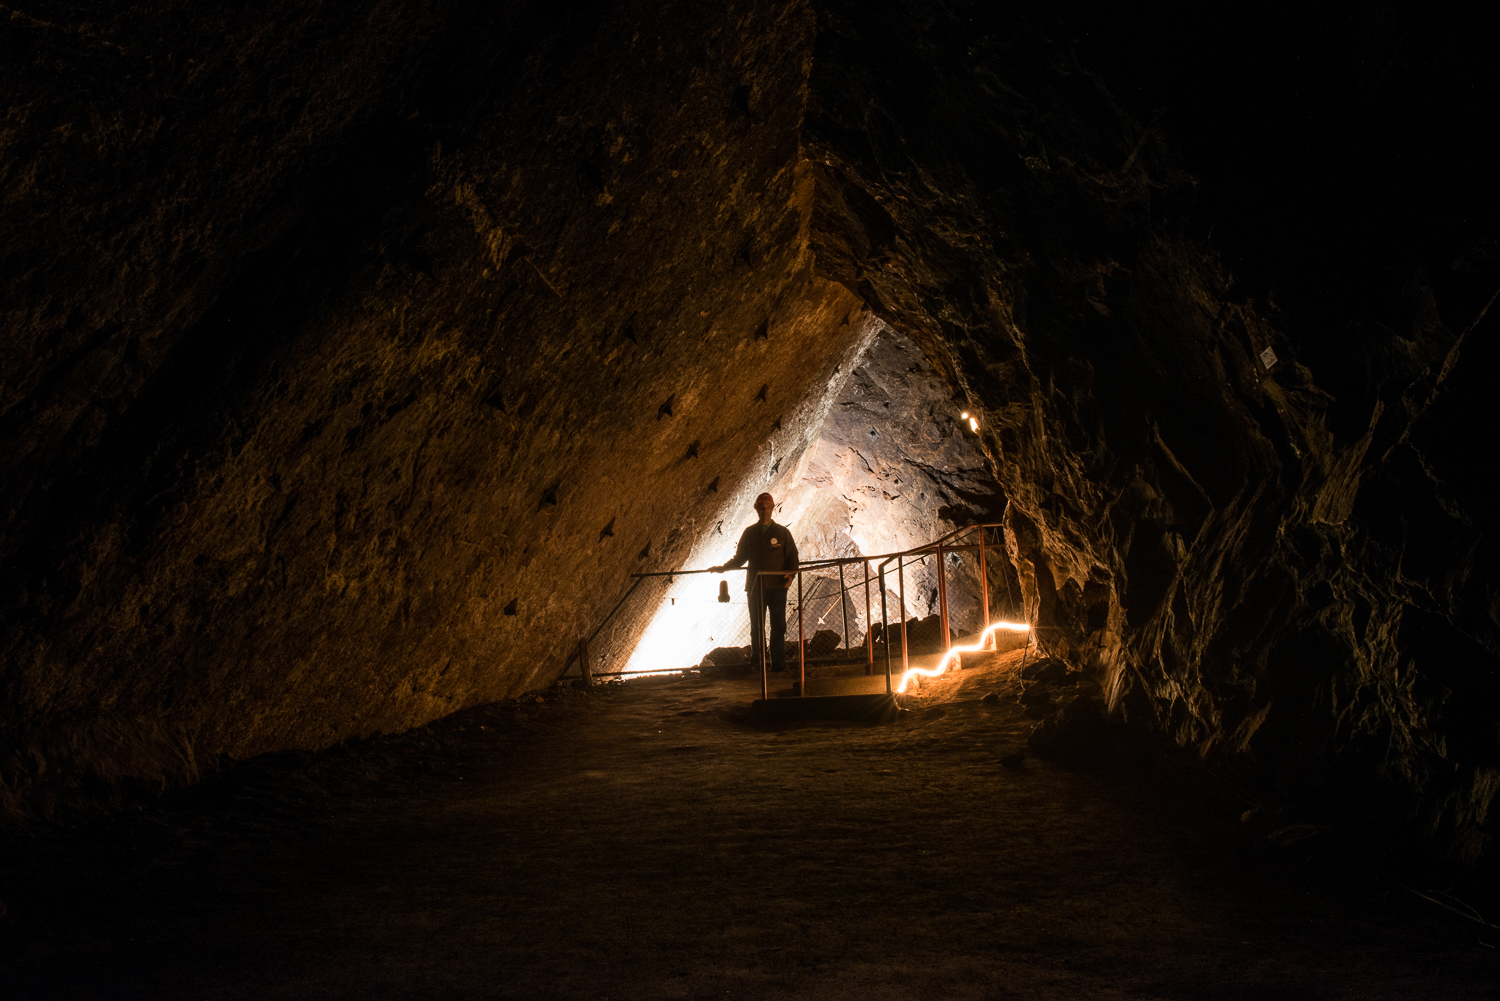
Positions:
(1259, 568)
(353, 362)
(894, 465)
(894, 460)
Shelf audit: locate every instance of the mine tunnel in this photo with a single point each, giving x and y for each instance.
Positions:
(374, 374)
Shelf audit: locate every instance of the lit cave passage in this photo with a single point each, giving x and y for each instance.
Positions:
(355, 357)
(889, 465)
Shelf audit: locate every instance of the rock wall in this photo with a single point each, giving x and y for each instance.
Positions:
(894, 466)
(896, 456)
(1295, 580)
(354, 359)
(888, 465)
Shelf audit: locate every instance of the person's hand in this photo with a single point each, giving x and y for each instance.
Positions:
(787, 580)
(716, 569)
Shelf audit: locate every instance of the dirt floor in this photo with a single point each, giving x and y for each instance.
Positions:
(646, 840)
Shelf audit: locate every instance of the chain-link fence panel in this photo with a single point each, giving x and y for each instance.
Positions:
(692, 622)
(609, 649)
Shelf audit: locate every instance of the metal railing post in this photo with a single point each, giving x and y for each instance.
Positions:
(869, 621)
(885, 631)
(943, 600)
(801, 639)
(758, 634)
(844, 608)
(984, 579)
(901, 596)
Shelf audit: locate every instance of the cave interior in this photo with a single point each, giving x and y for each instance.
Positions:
(356, 355)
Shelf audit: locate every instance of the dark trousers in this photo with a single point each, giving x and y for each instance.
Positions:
(774, 603)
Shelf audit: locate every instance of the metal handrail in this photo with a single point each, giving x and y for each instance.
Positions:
(936, 546)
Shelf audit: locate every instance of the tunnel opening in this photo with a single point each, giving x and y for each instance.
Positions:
(893, 463)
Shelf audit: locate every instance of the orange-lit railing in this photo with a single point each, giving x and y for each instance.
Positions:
(970, 538)
(953, 541)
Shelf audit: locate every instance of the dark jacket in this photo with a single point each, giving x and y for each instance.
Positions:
(765, 547)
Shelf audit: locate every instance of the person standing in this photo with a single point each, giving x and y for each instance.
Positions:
(764, 547)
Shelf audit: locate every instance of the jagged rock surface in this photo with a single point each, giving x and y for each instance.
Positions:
(893, 459)
(352, 363)
(894, 466)
(1251, 564)
(349, 357)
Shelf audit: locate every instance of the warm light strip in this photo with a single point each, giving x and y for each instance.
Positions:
(952, 655)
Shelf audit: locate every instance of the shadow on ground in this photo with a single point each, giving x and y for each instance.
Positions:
(639, 841)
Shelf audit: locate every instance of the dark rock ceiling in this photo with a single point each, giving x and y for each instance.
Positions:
(354, 355)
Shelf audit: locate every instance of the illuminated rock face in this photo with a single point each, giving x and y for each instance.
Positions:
(432, 347)
(895, 466)
(351, 363)
(889, 466)
(895, 455)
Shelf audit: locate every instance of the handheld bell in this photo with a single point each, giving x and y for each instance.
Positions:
(724, 591)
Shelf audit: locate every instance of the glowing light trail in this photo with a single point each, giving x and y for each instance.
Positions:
(952, 655)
